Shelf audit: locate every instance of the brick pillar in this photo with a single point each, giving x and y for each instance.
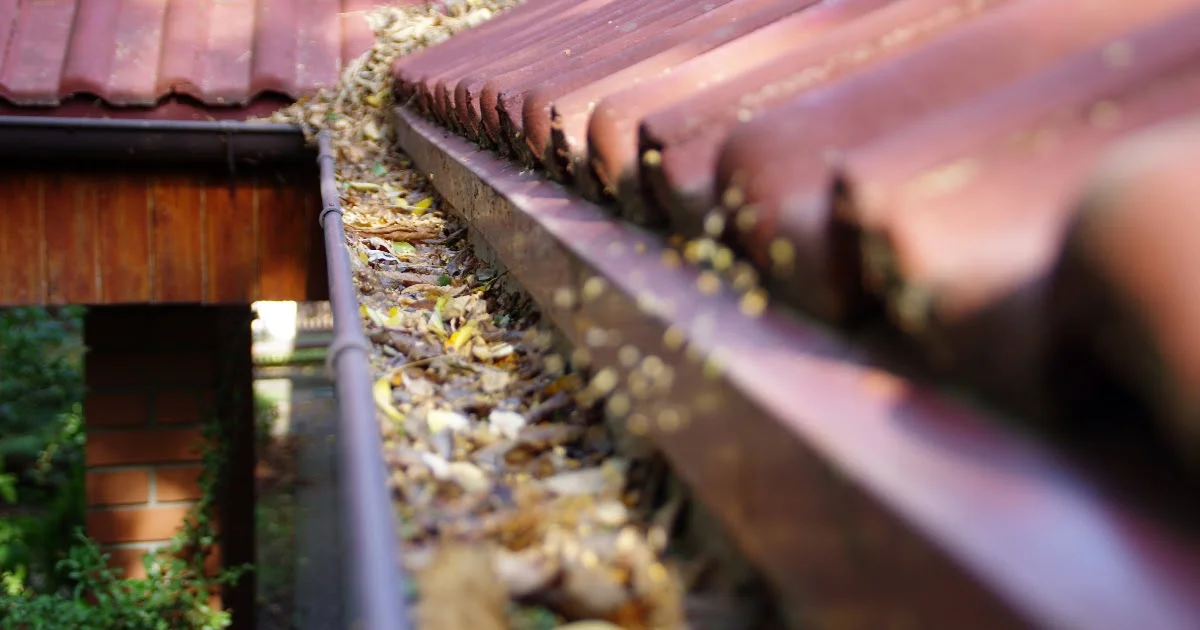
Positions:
(152, 374)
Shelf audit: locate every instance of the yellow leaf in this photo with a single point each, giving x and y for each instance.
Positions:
(383, 398)
(375, 316)
(422, 206)
(362, 256)
(435, 318)
(394, 320)
(461, 336)
(435, 323)
(371, 131)
(373, 100)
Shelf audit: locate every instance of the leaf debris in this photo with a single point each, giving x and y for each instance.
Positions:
(508, 487)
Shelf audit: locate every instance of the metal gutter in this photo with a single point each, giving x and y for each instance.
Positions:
(376, 600)
(161, 141)
(370, 529)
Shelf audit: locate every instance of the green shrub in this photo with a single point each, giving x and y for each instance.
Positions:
(174, 594)
(40, 378)
(42, 437)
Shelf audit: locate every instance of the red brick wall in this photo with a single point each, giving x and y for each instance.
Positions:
(153, 374)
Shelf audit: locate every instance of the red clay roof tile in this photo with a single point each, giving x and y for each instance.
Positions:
(525, 25)
(652, 34)
(572, 106)
(674, 116)
(136, 53)
(1116, 302)
(777, 165)
(963, 214)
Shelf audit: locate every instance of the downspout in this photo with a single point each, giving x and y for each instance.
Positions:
(370, 528)
(376, 595)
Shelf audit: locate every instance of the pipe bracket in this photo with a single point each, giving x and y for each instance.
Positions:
(341, 344)
(328, 210)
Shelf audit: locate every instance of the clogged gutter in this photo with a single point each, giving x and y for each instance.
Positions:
(513, 497)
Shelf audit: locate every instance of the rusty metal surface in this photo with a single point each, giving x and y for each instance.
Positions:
(900, 508)
(1115, 299)
(962, 215)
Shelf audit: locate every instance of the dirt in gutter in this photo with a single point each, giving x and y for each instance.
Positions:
(518, 506)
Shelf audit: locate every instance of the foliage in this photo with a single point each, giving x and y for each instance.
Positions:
(41, 438)
(40, 384)
(40, 392)
(174, 594)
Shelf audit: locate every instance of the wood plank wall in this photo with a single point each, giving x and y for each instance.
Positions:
(129, 237)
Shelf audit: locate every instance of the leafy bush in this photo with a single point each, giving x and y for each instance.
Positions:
(41, 438)
(174, 593)
(40, 378)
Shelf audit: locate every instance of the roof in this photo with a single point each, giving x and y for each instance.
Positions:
(913, 163)
(92, 57)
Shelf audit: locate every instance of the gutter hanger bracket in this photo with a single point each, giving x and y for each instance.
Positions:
(229, 151)
(328, 210)
(341, 343)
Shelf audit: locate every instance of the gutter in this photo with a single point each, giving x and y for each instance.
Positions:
(376, 599)
(235, 143)
(370, 532)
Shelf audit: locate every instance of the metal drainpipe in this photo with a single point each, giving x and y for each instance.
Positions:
(368, 522)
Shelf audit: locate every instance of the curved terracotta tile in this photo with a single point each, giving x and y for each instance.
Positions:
(963, 214)
(138, 54)
(8, 19)
(318, 53)
(89, 60)
(228, 53)
(1119, 308)
(777, 165)
(571, 109)
(135, 53)
(276, 48)
(185, 38)
(37, 50)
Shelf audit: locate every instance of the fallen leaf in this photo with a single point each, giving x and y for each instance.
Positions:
(469, 477)
(525, 572)
(439, 419)
(506, 423)
(383, 398)
(590, 481)
(460, 337)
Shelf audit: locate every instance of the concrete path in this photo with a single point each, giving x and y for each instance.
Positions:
(308, 412)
